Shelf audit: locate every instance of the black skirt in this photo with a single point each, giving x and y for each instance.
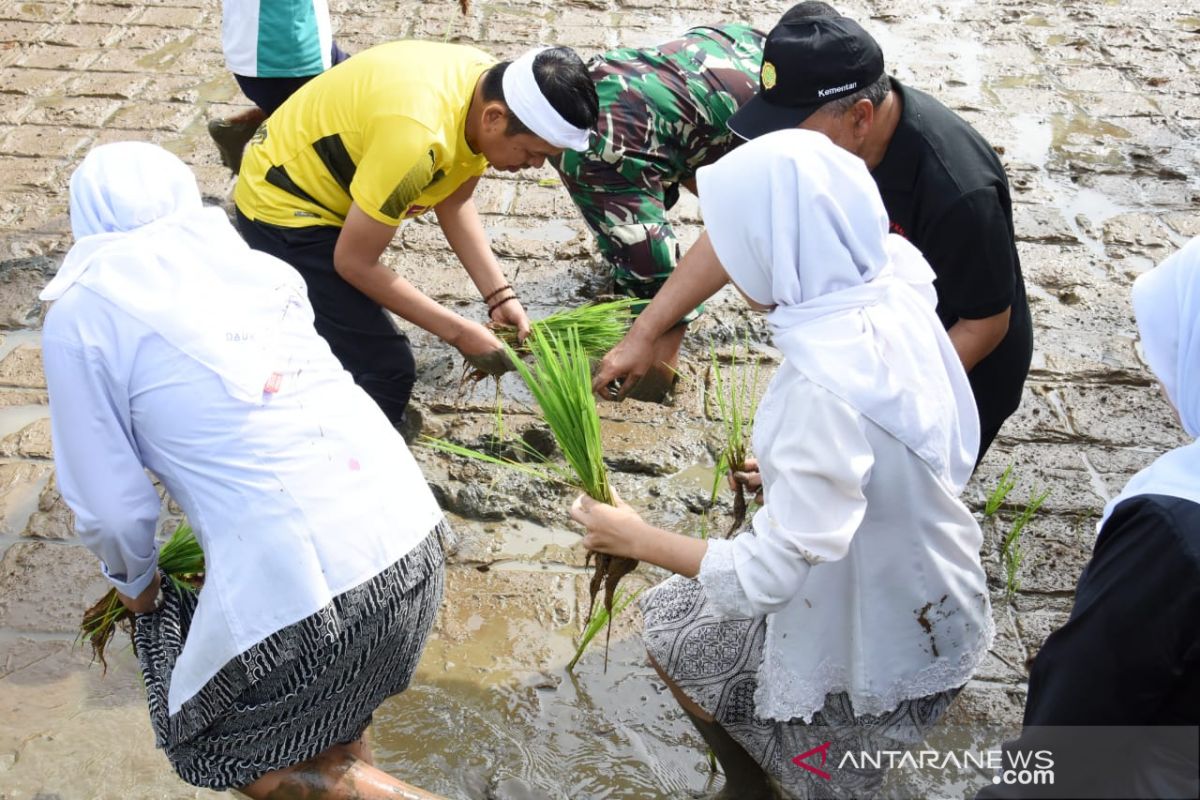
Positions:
(303, 689)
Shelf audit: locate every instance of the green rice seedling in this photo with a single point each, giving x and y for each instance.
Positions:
(600, 326)
(1011, 549)
(996, 498)
(719, 470)
(181, 559)
(500, 432)
(465, 7)
(737, 400)
(599, 617)
(552, 473)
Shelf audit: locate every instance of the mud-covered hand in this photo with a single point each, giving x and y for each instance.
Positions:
(610, 529)
(495, 363)
(749, 477)
(481, 349)
(511, 312)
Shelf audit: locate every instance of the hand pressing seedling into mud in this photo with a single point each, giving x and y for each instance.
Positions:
(483, 352)
(749, 478)
(493, 363)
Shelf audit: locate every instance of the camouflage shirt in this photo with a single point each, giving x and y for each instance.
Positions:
(662, 116)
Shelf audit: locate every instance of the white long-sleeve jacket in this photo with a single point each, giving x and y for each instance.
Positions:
(294, 500)
(865, 564)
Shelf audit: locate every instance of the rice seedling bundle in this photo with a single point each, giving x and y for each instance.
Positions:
(181, 559)
(737, 401)
(599, 326)
(561, 383)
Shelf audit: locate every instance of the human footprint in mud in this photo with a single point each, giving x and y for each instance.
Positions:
(398, 130)
(173, 347)
(851, 611)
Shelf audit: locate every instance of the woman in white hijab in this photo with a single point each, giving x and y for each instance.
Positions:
(1127, 663)
(173, 347)
(856, 601)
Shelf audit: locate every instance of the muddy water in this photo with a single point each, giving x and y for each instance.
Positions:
(1094, 110)
(492, 712)
(551, 734)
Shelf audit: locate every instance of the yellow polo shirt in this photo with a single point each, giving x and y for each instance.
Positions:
(384, 129)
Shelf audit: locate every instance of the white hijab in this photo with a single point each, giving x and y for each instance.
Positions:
(798, 224)
(144, 242)
(1166, 302)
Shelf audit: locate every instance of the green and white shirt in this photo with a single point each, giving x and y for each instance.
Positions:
(276, 38)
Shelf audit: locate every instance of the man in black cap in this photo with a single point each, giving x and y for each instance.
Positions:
(942, 184)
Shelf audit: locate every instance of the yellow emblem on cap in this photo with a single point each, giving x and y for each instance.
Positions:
(768, 75)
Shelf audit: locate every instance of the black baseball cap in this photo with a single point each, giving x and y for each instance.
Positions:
(807, 62)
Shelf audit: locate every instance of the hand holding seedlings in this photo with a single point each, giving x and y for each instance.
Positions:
(508, 311)
(749, 477)
(736, 390)
(472, 339)
(599, 326)
(611, 529)
(618, 533)
(560, 384)
(481, 349)
(181, 559)
(145, 602)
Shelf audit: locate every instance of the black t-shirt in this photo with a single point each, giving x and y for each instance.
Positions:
(1128, 656)
(945, 191)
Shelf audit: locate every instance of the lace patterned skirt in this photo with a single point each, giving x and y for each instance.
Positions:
(301, 690)
(715, 660)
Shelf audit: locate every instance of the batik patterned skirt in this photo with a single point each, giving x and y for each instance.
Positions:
(303, 689)
(715, 659)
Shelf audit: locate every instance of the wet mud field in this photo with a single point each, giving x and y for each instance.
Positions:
(1095, 109)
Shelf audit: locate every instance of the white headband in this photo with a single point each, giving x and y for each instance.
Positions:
(522, 95)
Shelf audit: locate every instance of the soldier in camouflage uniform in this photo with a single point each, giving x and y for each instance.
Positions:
(662, 117)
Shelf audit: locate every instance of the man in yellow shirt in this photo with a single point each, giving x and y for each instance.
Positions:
(386, 135)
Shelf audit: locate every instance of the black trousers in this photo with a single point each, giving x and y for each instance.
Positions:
(269, 93)
(360, 332)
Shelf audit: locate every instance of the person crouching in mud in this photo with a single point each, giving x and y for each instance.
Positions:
(173, 347)
(855, 607)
